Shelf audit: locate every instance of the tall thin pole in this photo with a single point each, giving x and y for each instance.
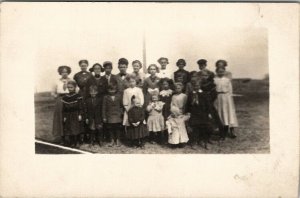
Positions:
(144, 53)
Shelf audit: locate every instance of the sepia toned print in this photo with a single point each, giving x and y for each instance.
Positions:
(90, 154)
(192, 104)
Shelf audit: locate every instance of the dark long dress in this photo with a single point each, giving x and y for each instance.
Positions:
(166, 112)
(136, 114)
(72, 108)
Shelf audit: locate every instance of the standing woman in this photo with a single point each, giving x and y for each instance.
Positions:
(59, 91)
(165, 71)
(82, 77)
(223, 64)
(140, 77)
(225, 103)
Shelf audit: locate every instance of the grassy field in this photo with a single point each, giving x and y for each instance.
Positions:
(252, 105)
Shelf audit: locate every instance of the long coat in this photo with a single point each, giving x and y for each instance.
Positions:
(199, 107)
(112, 110)
(93, 112)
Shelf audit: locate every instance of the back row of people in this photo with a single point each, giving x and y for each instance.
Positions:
(153, 92)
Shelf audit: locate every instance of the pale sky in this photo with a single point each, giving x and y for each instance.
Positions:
(65, 35)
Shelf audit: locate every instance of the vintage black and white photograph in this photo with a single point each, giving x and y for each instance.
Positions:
(143, 86)
(149, 99)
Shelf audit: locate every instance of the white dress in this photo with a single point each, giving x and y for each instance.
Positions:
(155, 122)
(224, 102)
(128, 93)
(177, 130)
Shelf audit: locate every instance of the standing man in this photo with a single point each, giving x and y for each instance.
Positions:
(121, 76)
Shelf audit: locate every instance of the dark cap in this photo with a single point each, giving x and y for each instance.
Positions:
(202, 62)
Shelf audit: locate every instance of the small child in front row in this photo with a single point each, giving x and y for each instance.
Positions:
(137, 129)
(72, 112)
(176, 128)
(112, 113)
(93, 109)
(155, 122)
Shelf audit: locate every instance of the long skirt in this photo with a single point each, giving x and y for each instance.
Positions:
(134, 133)
(226, 109)
(57, 127)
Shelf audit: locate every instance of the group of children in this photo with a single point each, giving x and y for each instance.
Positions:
(160, 107)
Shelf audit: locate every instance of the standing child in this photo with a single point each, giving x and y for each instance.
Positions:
(179, 98)
(155, 122)
(176, 127)
(93, 109)
(225, 103)
(166, 96)
(132, 90)
(136, 118)
(112, 113)
(200, 109)
(72, 114)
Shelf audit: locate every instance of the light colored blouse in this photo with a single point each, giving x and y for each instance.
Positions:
(128, 93)
(60, 87)
(166, 73)
(223, 85)
(179, 100)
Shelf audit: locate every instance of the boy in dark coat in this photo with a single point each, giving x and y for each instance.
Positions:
(112, 113)
(93, 110)
(200, 109)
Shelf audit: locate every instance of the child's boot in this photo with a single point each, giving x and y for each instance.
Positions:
(118, 143)
(232, 135)
(111, 144)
